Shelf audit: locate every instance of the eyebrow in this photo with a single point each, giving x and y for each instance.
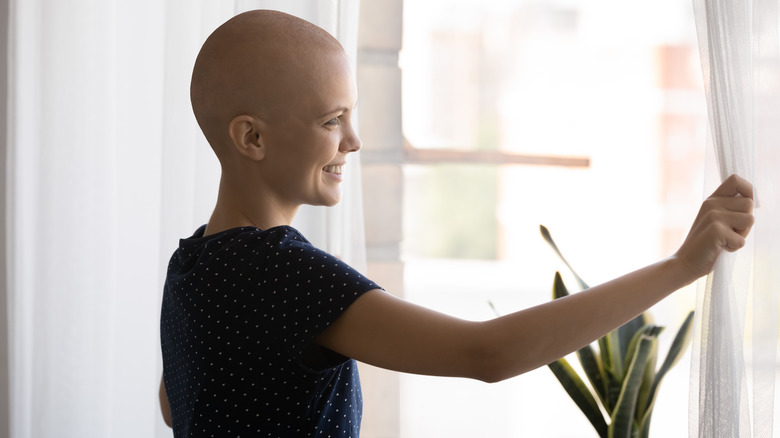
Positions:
(342, 109)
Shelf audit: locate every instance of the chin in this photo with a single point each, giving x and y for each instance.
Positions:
(324, 202)
(331, 202)
(331, 199)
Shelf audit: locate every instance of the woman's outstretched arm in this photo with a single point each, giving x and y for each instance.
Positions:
(384, 331)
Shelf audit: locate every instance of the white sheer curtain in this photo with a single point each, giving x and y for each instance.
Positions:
(734, 362)
(107, 169)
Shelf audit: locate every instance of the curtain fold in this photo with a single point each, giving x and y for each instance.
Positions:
(734, 364)
(107, 170)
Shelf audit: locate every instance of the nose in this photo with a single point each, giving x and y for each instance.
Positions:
(350, 142)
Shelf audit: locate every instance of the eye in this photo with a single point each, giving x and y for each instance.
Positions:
(332, 122)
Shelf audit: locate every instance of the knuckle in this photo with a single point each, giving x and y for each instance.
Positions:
(745, 204)
(711, 204)
(713, 215)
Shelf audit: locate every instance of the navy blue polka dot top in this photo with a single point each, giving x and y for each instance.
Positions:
(240, 310)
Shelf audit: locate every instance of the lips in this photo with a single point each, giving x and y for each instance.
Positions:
(333, 169)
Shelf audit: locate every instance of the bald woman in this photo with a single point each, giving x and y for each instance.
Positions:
(260, 330)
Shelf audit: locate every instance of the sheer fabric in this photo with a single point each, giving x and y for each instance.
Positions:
(735, 345)
(107, 169)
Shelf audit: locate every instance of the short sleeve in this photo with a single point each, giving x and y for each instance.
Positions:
(310, 287)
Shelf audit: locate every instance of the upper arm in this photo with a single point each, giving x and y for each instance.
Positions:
(382, 330)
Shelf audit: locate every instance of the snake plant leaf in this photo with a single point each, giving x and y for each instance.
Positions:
(622, 425)
(586, 355)
(651, 330)
(615, 354)
(559, 288)
(619, 359)
(580, 394)
(606, 358)
(647, 383)
(617, 344)
(620, 341)
(645, 426)
(676, 351)
(649, 374)
(493, 308)
(626, 332)
(614, 381)
(548, 238)
(593, 371)
(614, 385)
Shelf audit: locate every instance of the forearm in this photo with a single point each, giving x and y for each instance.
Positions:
(539, 335)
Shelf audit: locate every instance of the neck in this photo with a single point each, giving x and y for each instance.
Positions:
(238, 206)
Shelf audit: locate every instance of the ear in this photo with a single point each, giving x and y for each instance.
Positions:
(245, 132)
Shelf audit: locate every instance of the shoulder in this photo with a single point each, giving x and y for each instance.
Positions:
(252, 240)
(289, 243)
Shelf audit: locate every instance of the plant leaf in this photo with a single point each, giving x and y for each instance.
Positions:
(593, 371)
(645, 426)
(626, 333)
(650, 329)
(559, 289)
(647, 383)
(586, 355)
(619, 358)
(580, 394)
(623, 416)
(548, 238)
(613, 391)
(676, 351)
(493, 307)
(614, 381)
(649, 373)
(615, 354)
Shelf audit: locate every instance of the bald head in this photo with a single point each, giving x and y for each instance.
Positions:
(258, 63)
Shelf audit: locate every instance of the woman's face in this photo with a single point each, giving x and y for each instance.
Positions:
(307, 143)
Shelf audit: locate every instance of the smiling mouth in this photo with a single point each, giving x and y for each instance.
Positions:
(333, 169)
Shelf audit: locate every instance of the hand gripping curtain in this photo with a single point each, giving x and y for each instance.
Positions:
(733, 361)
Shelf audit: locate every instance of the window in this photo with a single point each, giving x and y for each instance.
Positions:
(587, 117)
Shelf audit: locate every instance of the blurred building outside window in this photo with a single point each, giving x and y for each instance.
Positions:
(587, 117)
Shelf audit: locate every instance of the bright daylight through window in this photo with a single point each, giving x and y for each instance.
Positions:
(607, 95)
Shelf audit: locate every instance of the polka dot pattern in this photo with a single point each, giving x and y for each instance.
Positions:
(239, 313)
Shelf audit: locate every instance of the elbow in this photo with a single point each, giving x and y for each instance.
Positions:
(165, 407)
(167, 419)
(493, 370)
(500, 356)
(491, 362)
(492, 378)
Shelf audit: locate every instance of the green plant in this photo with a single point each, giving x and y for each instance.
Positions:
(622, 373)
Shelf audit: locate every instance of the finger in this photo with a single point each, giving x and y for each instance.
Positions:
(742, 224)
(734, 242)
(731, 220)
(735, 185)
(740, 204)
